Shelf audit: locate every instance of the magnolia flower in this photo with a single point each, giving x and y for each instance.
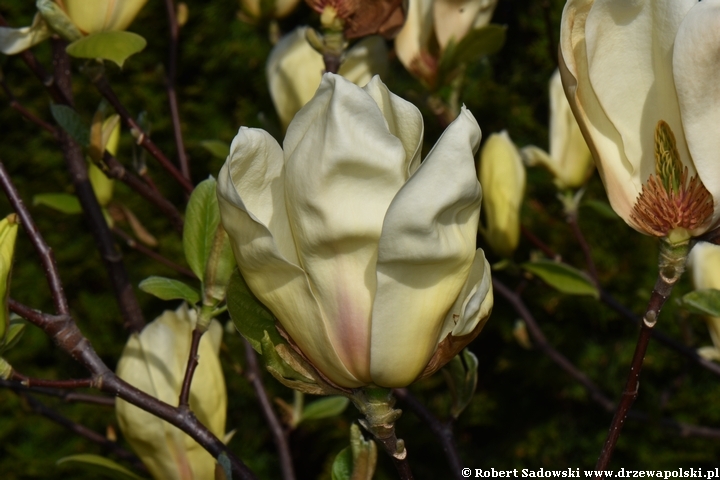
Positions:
(704, 261)
(433, 24)
(276, 8)
(569, 160)
(154, 361)
(294, 69)
(641, 78)
(361, 18)
(502, 175)
(86, 17)
(365, 255)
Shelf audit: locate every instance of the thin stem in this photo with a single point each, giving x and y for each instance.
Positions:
(41, 409)
(64, 395)
(192, 364)
(537, 242)
(17, 106)
(541, 342)
(39, 382)
(103, 86)
(170, 85)
(442, 430)
(132, 243)
(74, 158)
(252, 373)
(572, 220)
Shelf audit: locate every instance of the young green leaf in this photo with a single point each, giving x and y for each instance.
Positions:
(169, 289)
(62, 202)
(202, 218)
(224, 463)
(217, 148)
(562, 277)
(324, 408)
(461, 376)
(601, 208)
(112, 45)
(342, 466)
(100, 465)
(703, 302)
(250, 317)
(70, 121)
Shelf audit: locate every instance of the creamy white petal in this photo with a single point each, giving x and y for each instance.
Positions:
(103, 15)
(415, 35)
(629, 52)
(572, 160)
(16, 40)
(263, 247)
(343, 168)
(604, 141)
(473, 304)
(404, 120)
(366, 58)
(696, 66)
(425, 254)
(454, 18)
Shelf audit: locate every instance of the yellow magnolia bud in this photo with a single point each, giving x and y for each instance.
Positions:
(278, 9)
(502, 176)
(704, 262)
(8, 234)
(108, 140)
(102, 15)
(154, 361)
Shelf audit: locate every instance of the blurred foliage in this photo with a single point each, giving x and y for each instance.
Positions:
(527, 412)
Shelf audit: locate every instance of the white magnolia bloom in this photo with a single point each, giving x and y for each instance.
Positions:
(704, 262)
(154, 361)
(278, 8)
(502, 175)
(431, 22)
(365, 255)
(88, 16)
(294, 69)
(569, 160)
(642, 79)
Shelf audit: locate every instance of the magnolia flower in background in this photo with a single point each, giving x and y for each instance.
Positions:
(361, 18)
(641, 78)
(154, 361)
(502, 175)
(431, 25)
(257, 9)
(569, 160)
(295, 68)
(73, 18)
(704, 262)
(365, 255)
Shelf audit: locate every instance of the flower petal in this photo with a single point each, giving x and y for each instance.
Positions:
(343, 168)
(454, 18)
(16, 40)
(425, 253)
(696, 64)
(252, 208)
(621, 183)
(103, 15)
(415, 35)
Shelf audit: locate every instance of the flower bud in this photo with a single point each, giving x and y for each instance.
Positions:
(704, 263)
(154, 361)
(294, 69)
(102, 15)
(255, 9)
(8, 234)
(361, 18)
(502, 175)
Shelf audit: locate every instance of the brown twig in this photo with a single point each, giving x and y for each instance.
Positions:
(18, 107)
(170, 85)
(538, 243)
(64, 395)
(103, 86)
(132, 243)
(41, 409)
(252, 373)
(572, 220)
(39, 382)
(442, 430)
(192, 364)
(65, 333)
(74, 158)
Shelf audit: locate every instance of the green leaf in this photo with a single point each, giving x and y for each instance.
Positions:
(114, 46)
(601, 208)
(477, 43)
(169, 289)
(202, 218)
(562, 277)
(14, 334)
(62, 202)
(101, 465)
(324, 408)
(217, 148)
(342, 466)
(224, 462)
(461, 376)
(250, 317)
(70, 121)
(703, 302)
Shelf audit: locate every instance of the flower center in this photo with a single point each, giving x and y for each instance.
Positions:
(669, 199)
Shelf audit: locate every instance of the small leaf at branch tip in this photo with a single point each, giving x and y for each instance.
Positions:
(116, 46)
(101, 465)
(562, 277)
(703, 302)
(169, 289)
